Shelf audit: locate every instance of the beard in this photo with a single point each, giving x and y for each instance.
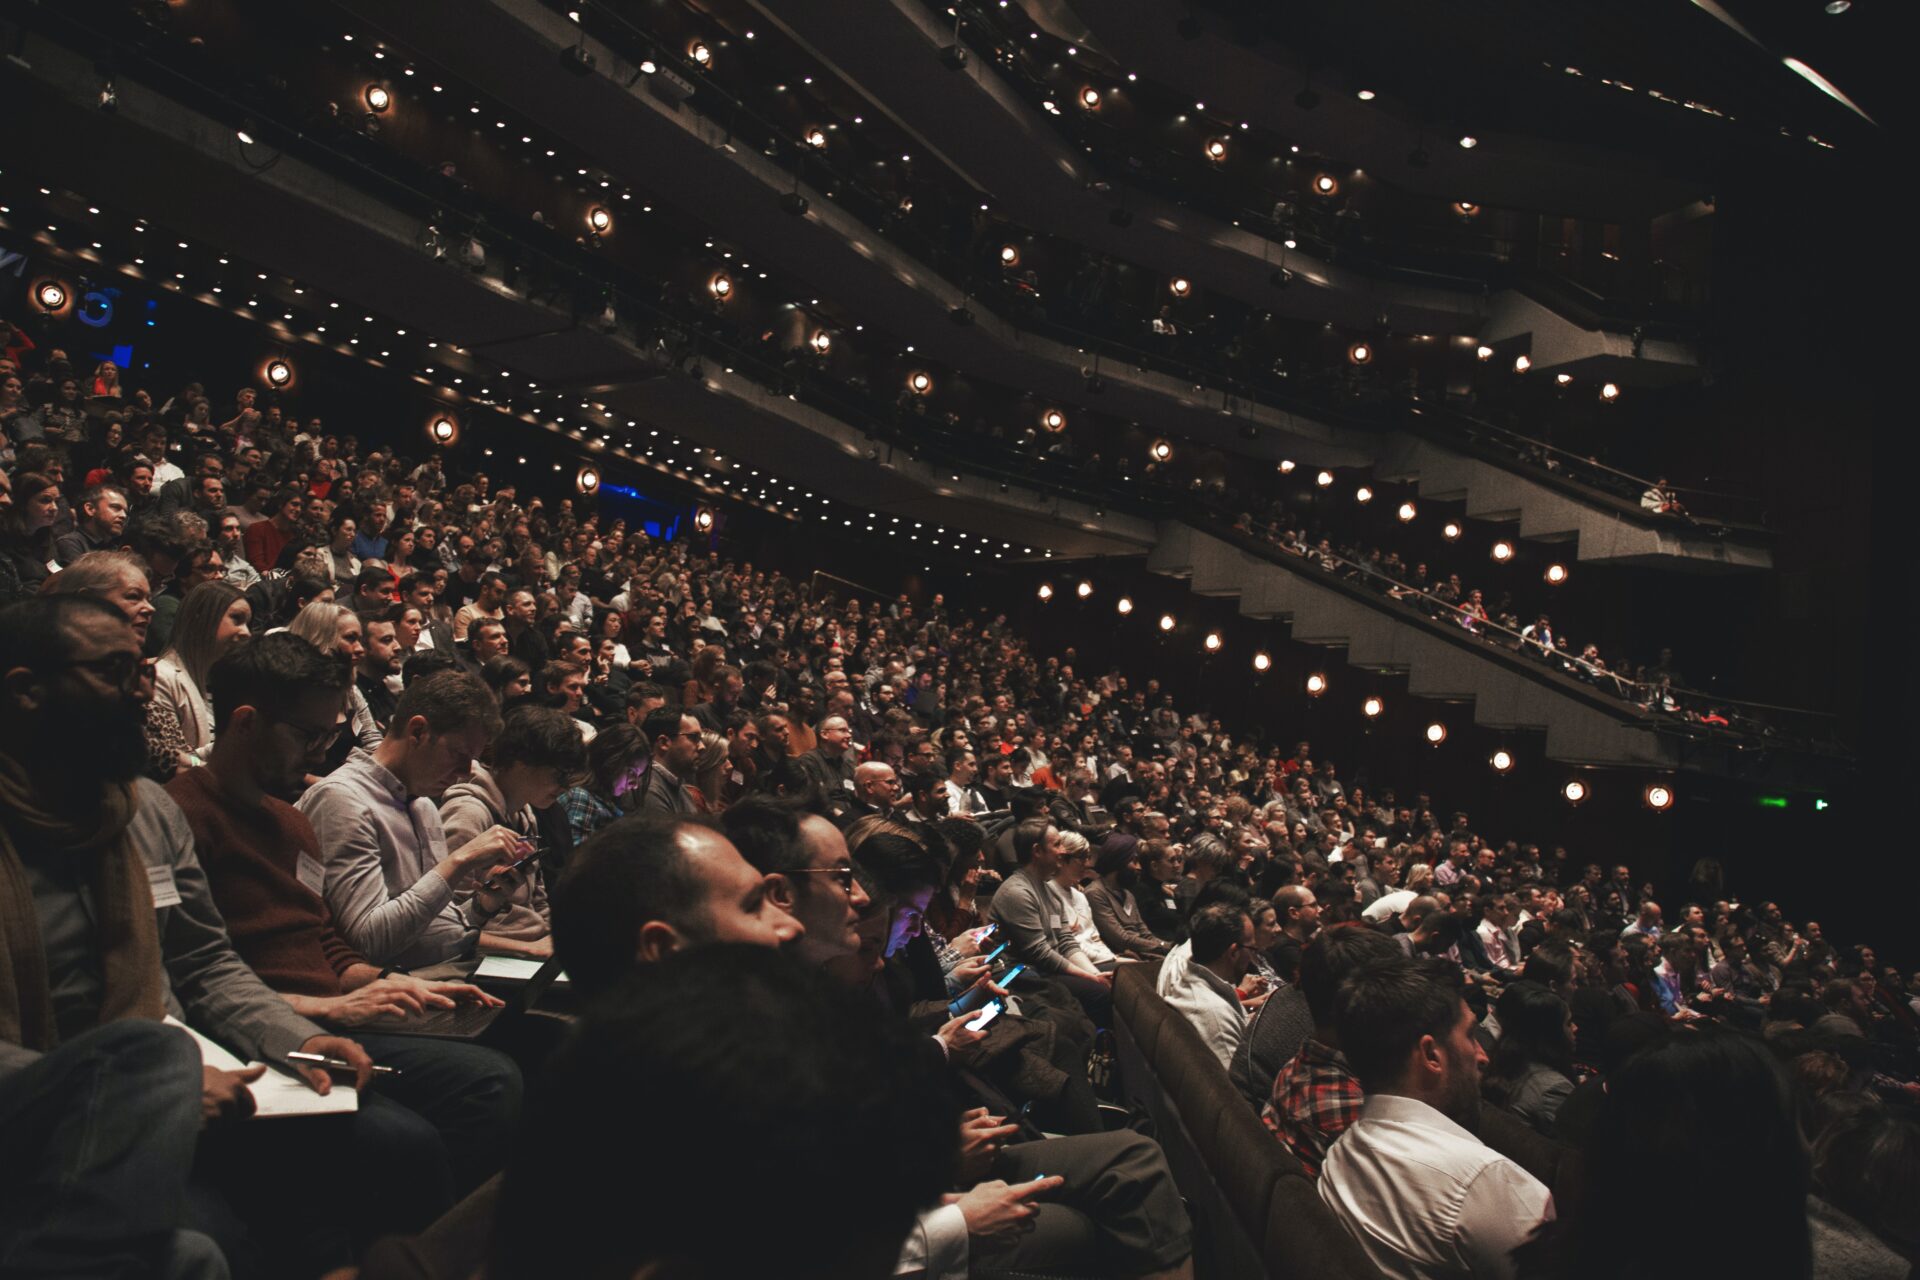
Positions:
(1463, 1098)
(1128, 878)
(98, 741)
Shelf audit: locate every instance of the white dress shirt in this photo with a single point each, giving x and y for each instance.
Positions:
(1208, 1001)
(1424, 1198)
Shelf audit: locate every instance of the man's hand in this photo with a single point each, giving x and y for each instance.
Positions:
(224, 1095)
(494, 847)
(320, 1079)
(995, 1208)
(981, 1137)
(499, 886)
(969, 971)
(967, 944)
(445, 995)
(957, 1035)
(381, 998)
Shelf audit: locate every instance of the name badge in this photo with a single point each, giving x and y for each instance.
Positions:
(739, 778)
(165, 892)
(847, 783)
(311, 873)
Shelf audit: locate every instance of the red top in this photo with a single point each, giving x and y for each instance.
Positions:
(264, 542)
(279, 926)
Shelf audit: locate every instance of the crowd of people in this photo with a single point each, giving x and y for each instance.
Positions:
(298, 732)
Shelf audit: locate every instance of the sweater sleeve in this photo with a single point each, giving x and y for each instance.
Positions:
(380, 927)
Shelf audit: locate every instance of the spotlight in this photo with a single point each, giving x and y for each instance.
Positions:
(1216, 149)
(1261, 662)
(1365, 95)
(599, 220)
(1316, 685)
(703, 520)
(51, 296)
(821, 342)
(1574, 791)
(699, 52)
(1054, 420)
(1436, 733)
(816, 138)
(1325, 184)
(1363, 494)
(1372, 707)
(1360, 353)
(1659, 797)
(1090, 98)
(1407, 512)
(1324, 479)
(1212, 642)
(1166, 622)
(794, 205)
(1562, 379)
(1009, 255)
(1483, 353)
(1502, 551)
(245, 133)
(720, 286)
(1084, 590)
(1450, 531)
(1180, 286)
(1160, 451)
(1046, 591)
(1466, 209)
(1609, 392)
(377, 98)
(1556, 574)
(442, 429)
(1468, 142)
(1501, 761)
(1522, 363)
(1124, 605)
(279, 372)
(588, 480)
(919, 383)
(1286, 466)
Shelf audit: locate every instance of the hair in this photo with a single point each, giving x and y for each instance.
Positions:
(1333, 953)
(1383, 1011)
(1027, 836)
(422, 663)
(27, 485)
(1550, 964)
(1533, 1029)
(627, 873)
(35, 632)
(319, 624)
(270, 674)
(502, 671)
(612, 753)
(1867, 1165)
(540, 738)
(555, 673)
(1215, 928)
(196, 624)
(661, 722)
(766, 831)
(95, 573)
(644, 692)
(895, 862)
(799, 1099)
(449, 702)
(99, 491)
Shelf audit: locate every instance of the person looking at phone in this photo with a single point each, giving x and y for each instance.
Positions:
(536, 757)
(390, 881)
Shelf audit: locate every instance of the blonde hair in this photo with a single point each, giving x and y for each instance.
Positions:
(95, 573)
(319, 625)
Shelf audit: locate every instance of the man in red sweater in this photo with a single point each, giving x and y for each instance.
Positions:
(434, 1131)
(266, 539)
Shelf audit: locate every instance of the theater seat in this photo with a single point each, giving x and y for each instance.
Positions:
(453, 1248)
(1553, 1163)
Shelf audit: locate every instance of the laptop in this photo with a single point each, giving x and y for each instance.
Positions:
(469, 1021)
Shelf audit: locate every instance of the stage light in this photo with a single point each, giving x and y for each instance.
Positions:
(1555, 574)
(1166, 622)
(1180, 286)
(1216, 149)
(377, 98)
(1286, 466)
(1407, 512)
(1363, 494)
(1212, 642)
(245, 135)
(1316, 685)
(699, 52)
(1436, 733)
(1324, 479)
(1046, 591)
(1372, 707)
(1360, 353)
(1483, 353)
(1009, 255)
(1574, 791)
(1562, 379)
(51, 295)
(1054, 420)
(1160, 451)
(1468, 142)
(443, 429)
(1450, 531)
(1090, 98)
(1522, 363)
(919, 383)
(703, 520)
(1502, 551)
(821, 342)
(1261, 662)
(1325, 184)
(599, 220)
(588, 480)
(1501, 761)
(721, 286)
(816, 138)
(1659, 797)
(1466, 209)
(1123, 606)
(1084, 590)
(1609, 392)
(1365, 95)
(279, 372)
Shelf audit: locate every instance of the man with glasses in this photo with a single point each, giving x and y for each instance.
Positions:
(675, 737)
(809, 875)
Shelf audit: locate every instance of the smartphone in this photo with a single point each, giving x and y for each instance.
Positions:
(986, 1015)
(995, 953)
(1011, 974)
(533, 855)
(981, 935)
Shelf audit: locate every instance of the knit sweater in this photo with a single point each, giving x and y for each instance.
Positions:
(280, 927)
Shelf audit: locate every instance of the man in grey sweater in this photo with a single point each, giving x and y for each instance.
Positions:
(1036, 923)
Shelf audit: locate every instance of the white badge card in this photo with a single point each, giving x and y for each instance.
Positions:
(311, 873)
(165, 892)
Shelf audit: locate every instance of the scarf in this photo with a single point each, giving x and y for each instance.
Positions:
(127, 937)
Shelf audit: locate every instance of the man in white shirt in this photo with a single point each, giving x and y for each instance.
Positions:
(1500, 934)
(1420, 1193)
(1200, 976)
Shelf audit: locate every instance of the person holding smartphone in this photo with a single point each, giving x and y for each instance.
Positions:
(1034, 919)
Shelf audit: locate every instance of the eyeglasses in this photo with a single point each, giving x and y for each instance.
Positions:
(843, 873)
(122, 669)
(312, 737)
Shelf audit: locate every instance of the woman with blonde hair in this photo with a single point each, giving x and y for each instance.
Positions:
(336, 629)
(214, 617)
(709, 773)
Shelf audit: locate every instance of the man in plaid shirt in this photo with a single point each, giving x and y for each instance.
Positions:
(1316, 1096)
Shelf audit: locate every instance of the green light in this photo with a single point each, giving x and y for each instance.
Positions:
(1773, 802)
(1819, 806)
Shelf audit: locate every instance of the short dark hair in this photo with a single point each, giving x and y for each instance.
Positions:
(1335, 952)
(372, 578)
(449, 702)
(271, 674)
(629, 872)
(541, 738)
(1215, 928)
(34, 633)
(897, 864)
(661, 722)
(644, 692)
(1383, 1010)
(422, 663)
(1027, 836)
(556, 672)
(766, 831)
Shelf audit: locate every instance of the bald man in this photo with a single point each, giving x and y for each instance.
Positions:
(876, 789)
(831, 762)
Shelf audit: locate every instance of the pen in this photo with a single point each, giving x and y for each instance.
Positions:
(338, 1064)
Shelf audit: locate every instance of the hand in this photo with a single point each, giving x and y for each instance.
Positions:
(967, 944)
(320, 1079)
(957, 1035)
(969, 971)
(224, 1095)
(499, 886)
(994, 1208)
(381, 998)
(495, 846)
(981, 1137)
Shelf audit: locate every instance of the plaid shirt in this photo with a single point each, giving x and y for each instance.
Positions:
(1314, 1099)
(586, 812)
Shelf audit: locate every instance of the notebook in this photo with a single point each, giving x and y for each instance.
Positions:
(275, 1094)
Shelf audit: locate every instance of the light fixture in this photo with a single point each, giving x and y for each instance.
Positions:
(1212, 642)
(821, 342)
(1501, 761)
(1216, 149)
(1609, 392)
(1261, 662)
(1658, 796)
(920, 383)
(377, 98)
(1325, 184)
(1046, 591)
(1360, 353)
(1090, 98)
(1407, 512)
(1468, 142)
(1372, 707)
(1483, 353)
(1365, 95)
(245, 135)
(1009, 255)
(588, 479)
(1160, 451)
(1466, 209)
(1574, 791)
(720, 286)
(1180, 286)
(1324, 479)
(443, 429)
(1363, 494)
(1502, 551)
(1316, 685)
(278, 372)
(599, 220)
(1556, 574)
(1123, 606)
(1286, 466)
(703, 520)
(1166, 622)
(51, 295)
(1084, 590)
(699, 52)
(1562, 379)
(1054, 420)
(1522, 363)
(816, 138)
(1436, 733)
(1450, 531)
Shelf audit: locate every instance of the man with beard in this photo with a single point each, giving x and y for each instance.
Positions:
(109, 926)
(1420, 1193)
(378, 673)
